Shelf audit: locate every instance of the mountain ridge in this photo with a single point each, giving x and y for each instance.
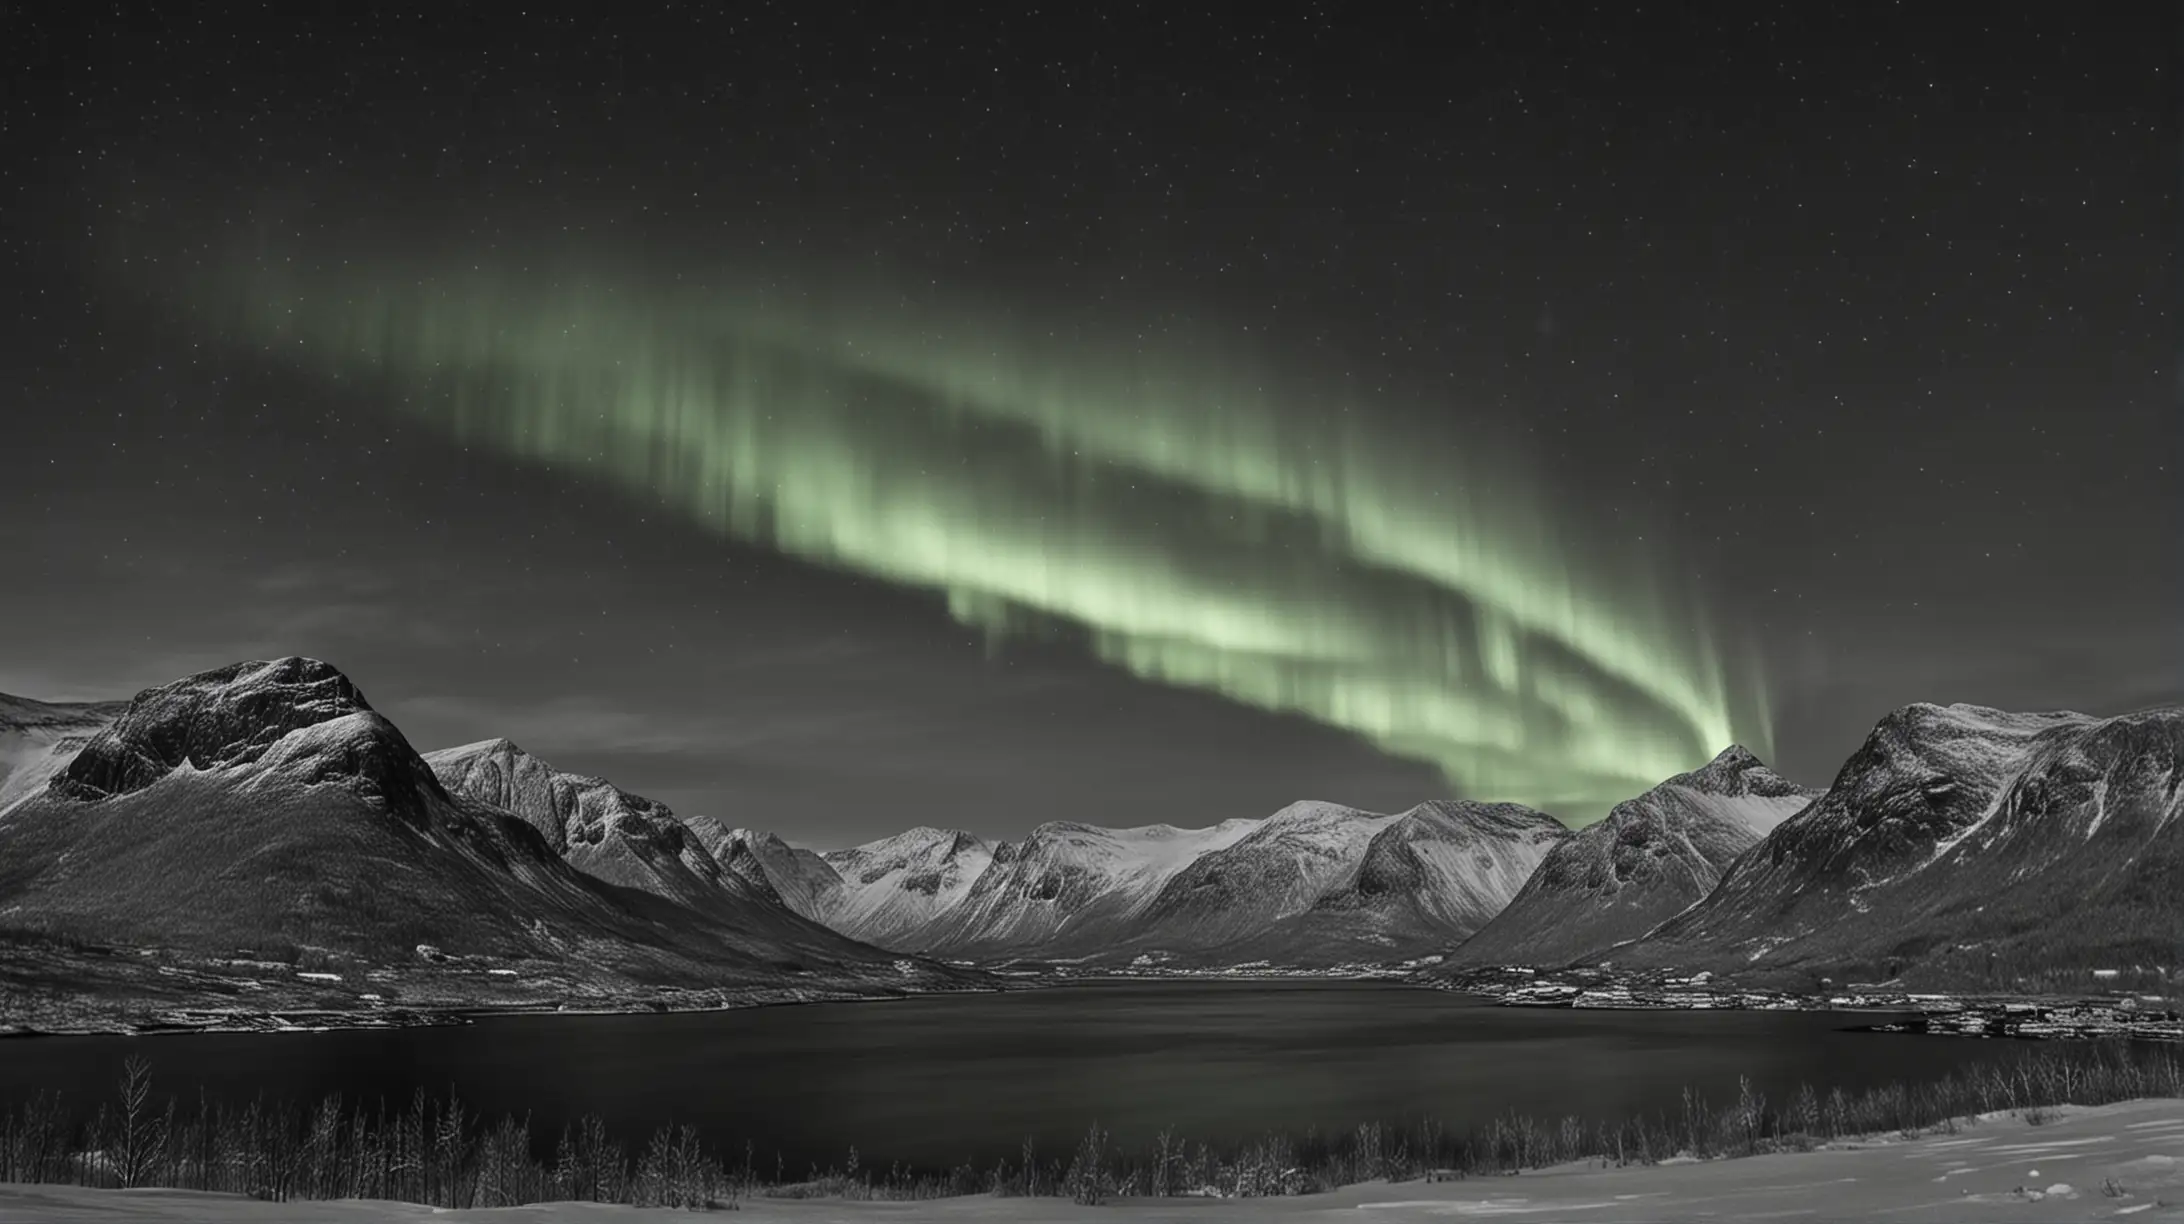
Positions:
(265, 805)
(1652, 857)
(267, 800)
(1068, 888)
(1425, 881)
(893, 888)
(601, 829)
(1959, 844)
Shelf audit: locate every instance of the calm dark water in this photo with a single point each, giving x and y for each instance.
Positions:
(934, 1082)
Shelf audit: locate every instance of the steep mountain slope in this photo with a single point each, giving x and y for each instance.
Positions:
(37, 738)
(892, 890)
(267, 806)
(1960, 845)
(1279, 868)
(796, 877)
(1068, 889)
(1430, 878)
(268, 802)
(1652, 858)
(601, 829)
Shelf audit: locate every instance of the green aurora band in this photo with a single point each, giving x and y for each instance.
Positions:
(1197, 527)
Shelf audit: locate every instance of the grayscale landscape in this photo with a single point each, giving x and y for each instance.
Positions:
(852, 612)
(486, 893)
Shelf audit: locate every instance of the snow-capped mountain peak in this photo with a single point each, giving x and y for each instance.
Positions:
(294, 720)
(896, 887)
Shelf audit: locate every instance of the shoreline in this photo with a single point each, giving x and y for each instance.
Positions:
(190, 1021)
(2037, 1018)
(1937, 1013)
(187, 1021)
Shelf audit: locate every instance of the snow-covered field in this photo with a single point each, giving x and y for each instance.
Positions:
(2115, 1162)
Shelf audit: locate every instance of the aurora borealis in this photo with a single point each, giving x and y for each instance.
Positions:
(1199, 518)
(1068, 413)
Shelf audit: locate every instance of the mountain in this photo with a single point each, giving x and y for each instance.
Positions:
(38, 738)
(1281, 867)
(268, 802)
(1314, 884)
(1068, 889)
(793, 876)
(1651, 858)
(263, 814)
(892, 890)
(625, 839)
(1426, 881)
(241, 824)
(1960, 845)
(597, 827)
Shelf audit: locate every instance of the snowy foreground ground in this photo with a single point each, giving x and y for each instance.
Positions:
(2115, 1162)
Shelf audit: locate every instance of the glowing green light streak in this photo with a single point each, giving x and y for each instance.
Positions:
(1386, 510)
(1203, 535)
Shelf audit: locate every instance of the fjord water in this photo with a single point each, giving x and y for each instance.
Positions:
(936, 1081)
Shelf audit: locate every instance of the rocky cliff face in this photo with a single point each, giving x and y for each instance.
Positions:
(295, 716)
(1651, 858)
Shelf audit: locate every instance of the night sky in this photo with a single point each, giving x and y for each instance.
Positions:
(837, 418)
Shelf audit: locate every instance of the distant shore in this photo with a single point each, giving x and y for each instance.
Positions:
(183, 1022)
(107, 1006)
(136, 995)
(2036, 1017)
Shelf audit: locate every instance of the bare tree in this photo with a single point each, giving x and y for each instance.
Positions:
(140, 1138)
